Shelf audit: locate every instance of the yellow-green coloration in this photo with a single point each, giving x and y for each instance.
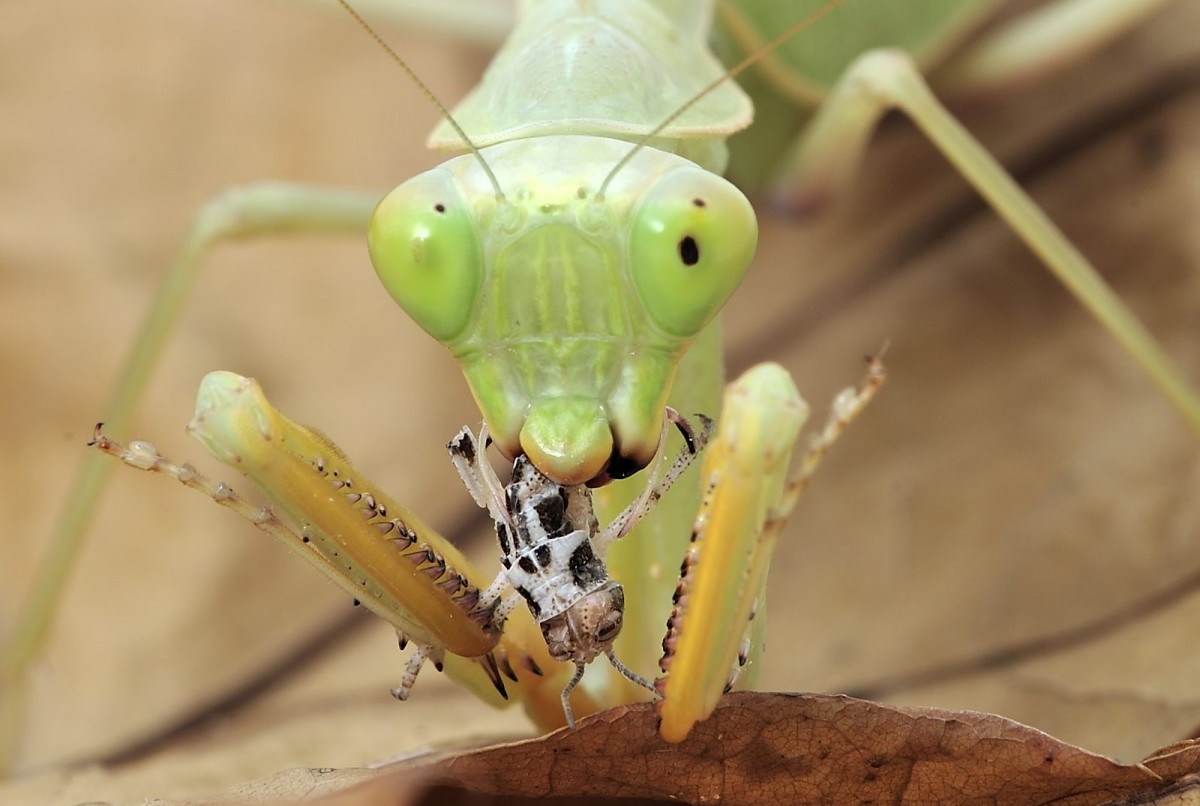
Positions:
(427, 254)
(742, 478)
(684, 241)
(568, 312)
(308, 479)
(609, 68)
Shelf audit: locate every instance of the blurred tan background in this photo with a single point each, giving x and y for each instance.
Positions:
(1017, 478)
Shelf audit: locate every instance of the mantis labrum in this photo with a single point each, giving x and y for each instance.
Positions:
(870, 342)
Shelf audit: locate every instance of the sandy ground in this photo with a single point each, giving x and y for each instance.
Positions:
(1017, 479)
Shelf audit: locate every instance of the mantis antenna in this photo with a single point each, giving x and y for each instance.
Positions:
(733, 72)
(474, 149)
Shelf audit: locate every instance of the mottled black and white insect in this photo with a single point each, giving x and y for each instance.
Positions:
(552, 549)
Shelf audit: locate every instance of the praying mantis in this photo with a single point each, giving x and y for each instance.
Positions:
(460, 417)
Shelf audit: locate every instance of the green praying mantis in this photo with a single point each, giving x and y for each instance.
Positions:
(703, 358)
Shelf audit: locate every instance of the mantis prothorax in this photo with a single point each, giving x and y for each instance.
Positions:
(592, 457)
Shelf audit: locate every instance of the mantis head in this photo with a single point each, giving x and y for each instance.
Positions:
(567, 309)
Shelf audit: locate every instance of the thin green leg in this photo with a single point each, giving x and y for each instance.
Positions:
(1041, 40)
(254, 211)
(887, 79)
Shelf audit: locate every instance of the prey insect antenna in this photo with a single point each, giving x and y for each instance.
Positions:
(568, 712)
(428, 93)
(630, 674)
(733, 72)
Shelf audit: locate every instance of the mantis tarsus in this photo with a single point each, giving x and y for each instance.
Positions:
(460, 417)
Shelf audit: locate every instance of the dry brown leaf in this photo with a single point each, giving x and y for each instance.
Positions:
(779, 748)
(770, 749)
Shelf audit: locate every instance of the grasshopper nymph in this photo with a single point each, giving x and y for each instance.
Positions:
(553, 550)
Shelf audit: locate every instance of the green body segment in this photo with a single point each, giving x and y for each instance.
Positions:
(788, 84)
(724, 571)
(613, 68)
(647, 562)
(810, 65)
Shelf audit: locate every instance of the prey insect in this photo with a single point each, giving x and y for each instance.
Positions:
(552, 549)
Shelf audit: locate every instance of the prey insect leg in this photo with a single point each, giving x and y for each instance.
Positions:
(657, 487)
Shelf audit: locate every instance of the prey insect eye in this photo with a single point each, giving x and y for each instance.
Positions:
(426, 252)
(609, 628)
(691, 241)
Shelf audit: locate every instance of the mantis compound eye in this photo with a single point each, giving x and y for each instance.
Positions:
(425, 249)
(691, 241)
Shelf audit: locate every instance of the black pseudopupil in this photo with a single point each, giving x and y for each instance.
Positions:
(689, 251)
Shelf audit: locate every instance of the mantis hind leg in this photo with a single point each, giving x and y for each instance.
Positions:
(253, 211)
(883, 80)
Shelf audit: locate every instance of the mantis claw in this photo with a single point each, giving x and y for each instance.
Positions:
(370, 546)
(747, 497)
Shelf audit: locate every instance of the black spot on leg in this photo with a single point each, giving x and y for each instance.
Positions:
(685, 431)
(464, 446)
(526, 564)
(542, 555)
